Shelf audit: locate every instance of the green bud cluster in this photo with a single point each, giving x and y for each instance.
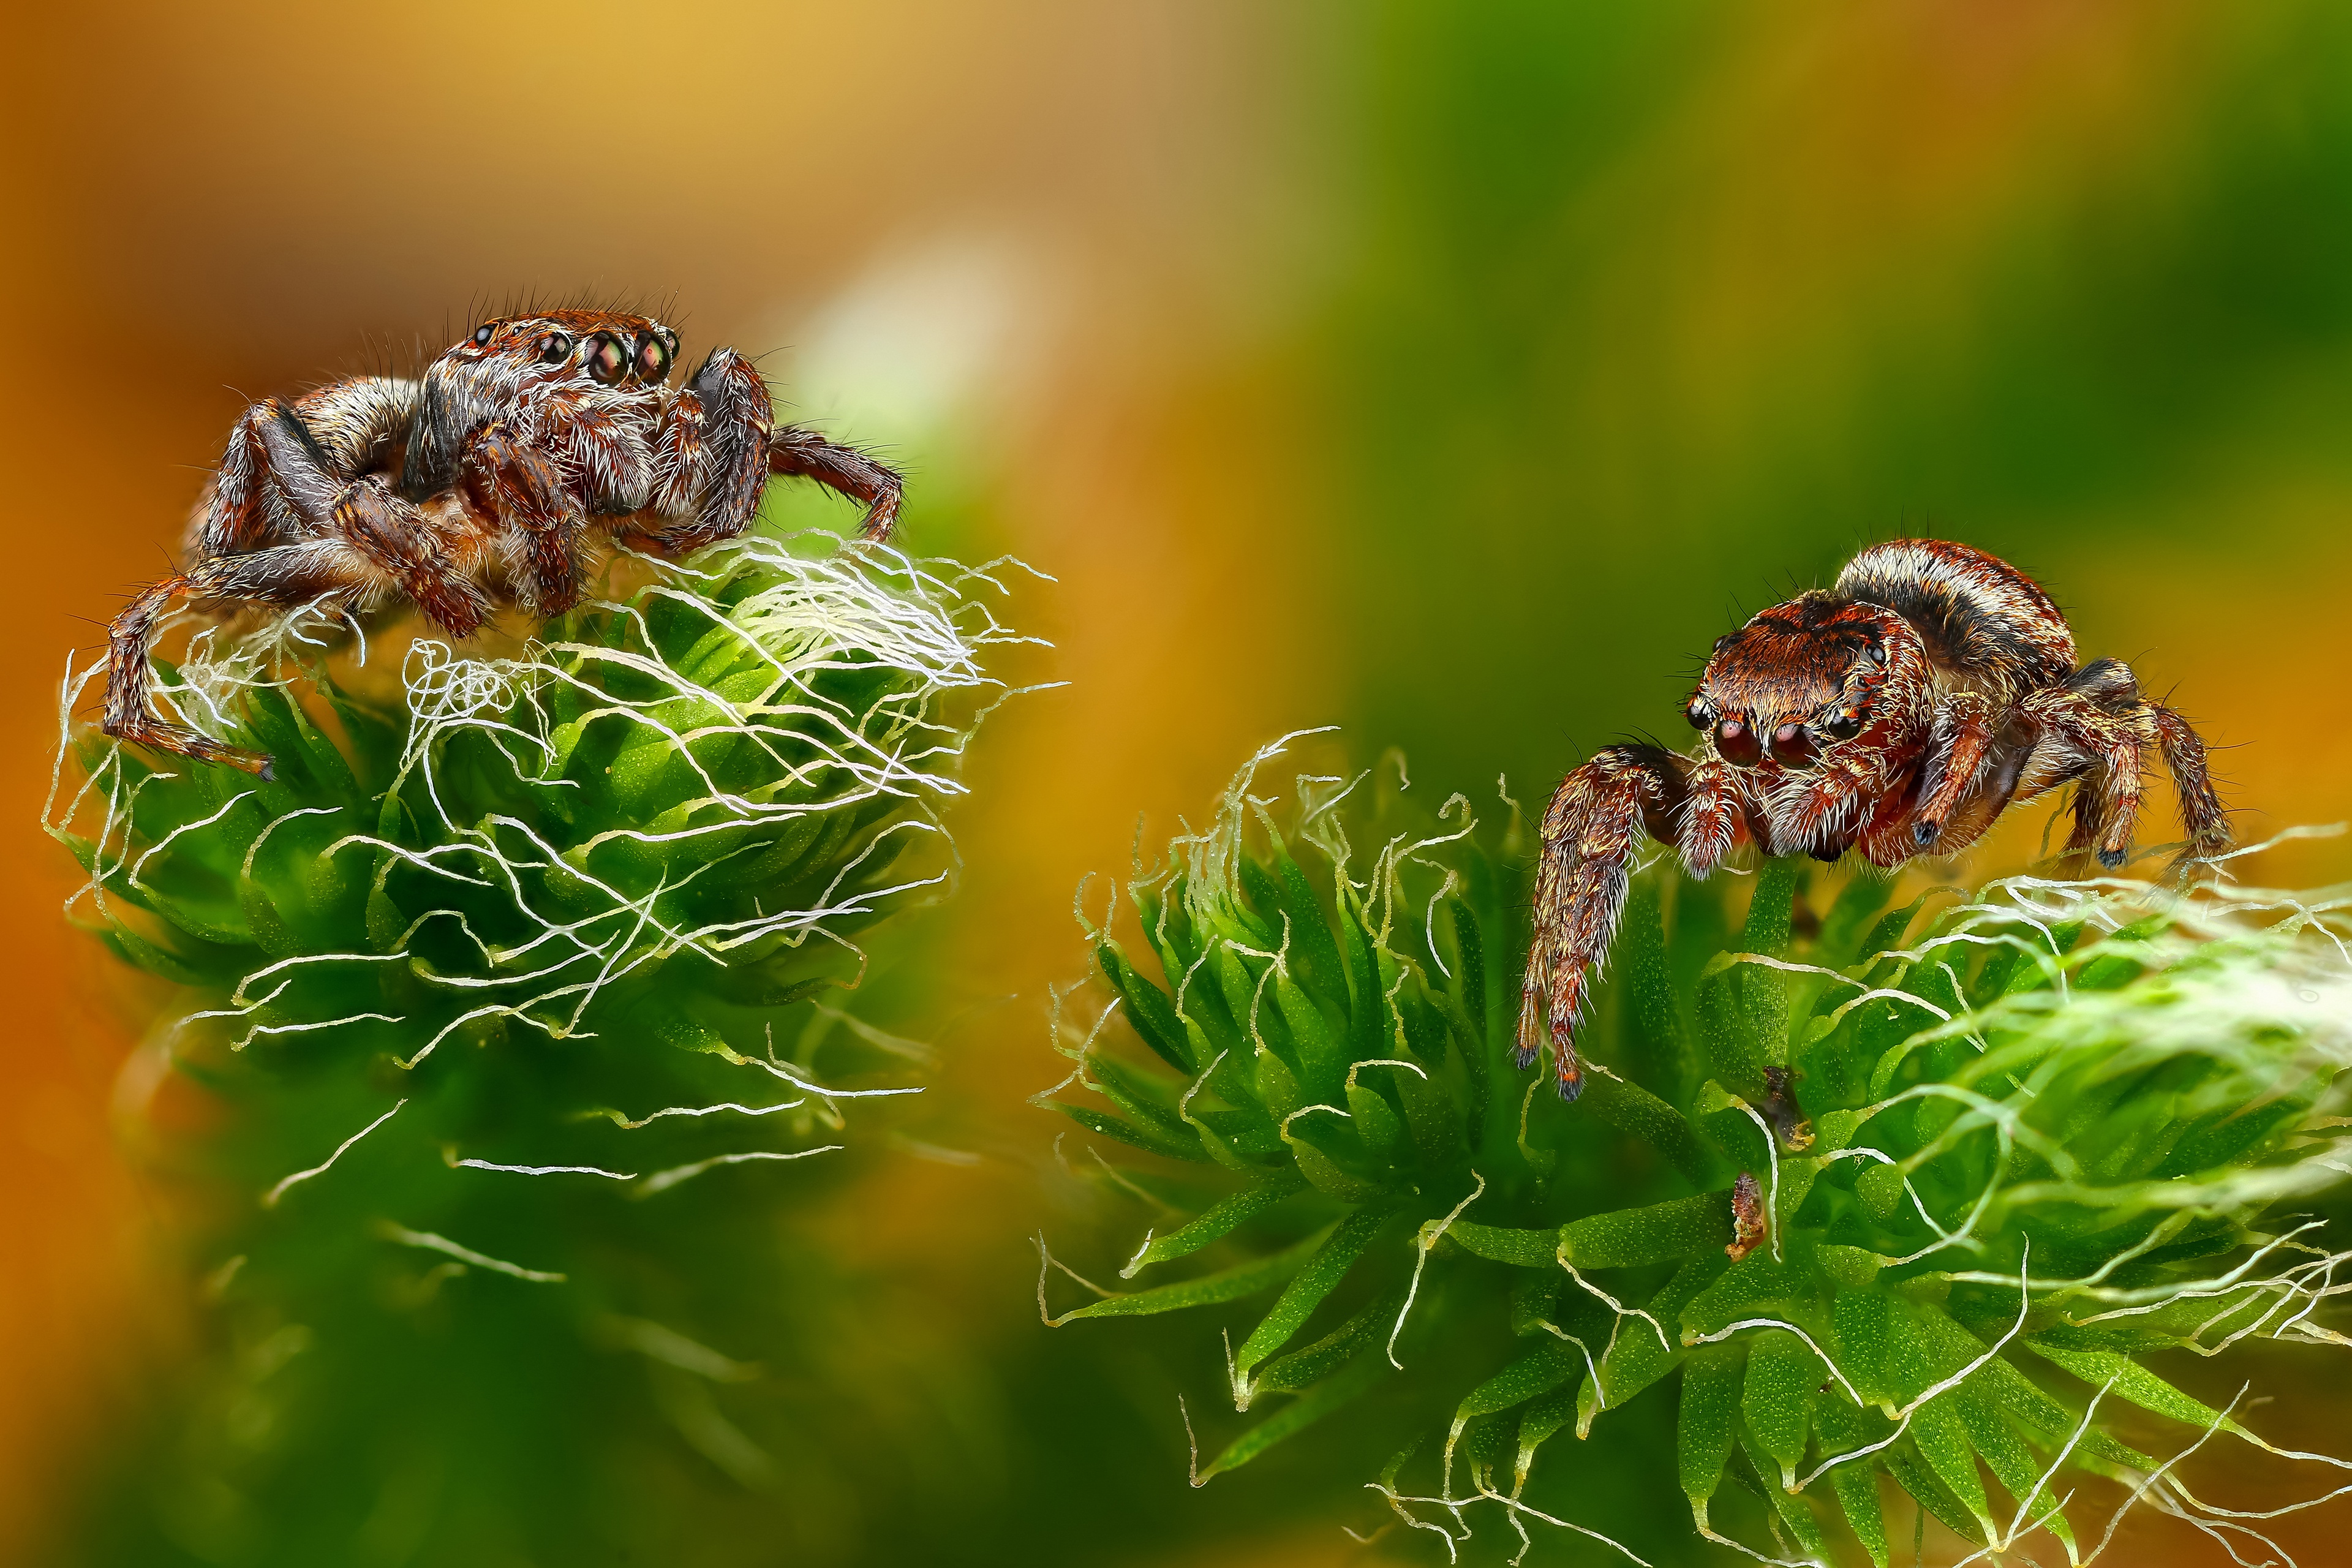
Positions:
(508, 1006)
(1853, 1194)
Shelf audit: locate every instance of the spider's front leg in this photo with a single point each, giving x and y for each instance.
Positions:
(711, 458)
(719, 442)
(1958, 743)
(845, 470)
(524, 485)
(1588, 833)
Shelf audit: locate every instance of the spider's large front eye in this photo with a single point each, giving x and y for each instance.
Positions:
(484, 334)
(607, 361)
(1737, 744)
(653, 357)
(1791, 747)
(555, 348)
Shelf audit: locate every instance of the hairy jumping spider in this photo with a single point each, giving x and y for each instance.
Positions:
(521, 456)
(1898, 714)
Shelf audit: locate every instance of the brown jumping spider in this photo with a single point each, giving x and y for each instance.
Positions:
(523, 453)
(1898, 714)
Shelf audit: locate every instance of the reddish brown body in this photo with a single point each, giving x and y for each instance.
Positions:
(500, 476)
(1898, 713)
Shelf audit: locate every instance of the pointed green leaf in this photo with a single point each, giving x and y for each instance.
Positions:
(1319, 1277)
(1226, 1284)
(1622, 1238)
(1710, 1420)
(1317, 1403)
(1221, 1218)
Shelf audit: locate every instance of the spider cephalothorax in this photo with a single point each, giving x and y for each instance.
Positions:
(501, 475)
(1897, 714)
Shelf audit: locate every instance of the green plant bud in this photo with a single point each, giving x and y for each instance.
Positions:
(508, 1021)
(2051, 1126)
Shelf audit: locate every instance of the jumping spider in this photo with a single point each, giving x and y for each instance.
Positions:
(1898, 713)
(522, 454)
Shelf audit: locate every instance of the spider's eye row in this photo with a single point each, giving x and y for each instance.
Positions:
(654, 356)
(607, 361)
(555, 348)
(484, 334)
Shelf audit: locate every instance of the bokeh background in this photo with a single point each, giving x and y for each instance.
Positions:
(1451, 373)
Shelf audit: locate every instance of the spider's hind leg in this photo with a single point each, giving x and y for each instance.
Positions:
(2107, 731)
(1589, 833)
(286, 575)
(2201, 813)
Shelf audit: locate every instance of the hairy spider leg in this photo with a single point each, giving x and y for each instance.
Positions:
(1827, 804)
(284, 574)
(1958, 745)
(240, 511)
(387, 532)
(2116, 738)
(737, 420)
(1714, 815)
(1589, 832)
(609, 467)
(807, 454)
(351, 534)
(2201, 812)
(719, 439)
(2100, 743)
(336, 429)
(522, 482)
(679, 458)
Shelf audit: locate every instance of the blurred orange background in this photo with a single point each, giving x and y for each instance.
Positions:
(1453, 379)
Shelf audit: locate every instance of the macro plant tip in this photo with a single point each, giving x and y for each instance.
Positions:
(1901, 1197)
(506, 975)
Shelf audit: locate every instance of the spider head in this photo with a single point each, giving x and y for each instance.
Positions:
(1800, 678)
(604, 348)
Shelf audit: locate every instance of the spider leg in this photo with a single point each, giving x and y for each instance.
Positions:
(273, 449)
(1958, 747)
(1826, 812)
(1714, 816)
(237, 512)
(524, 485)
(2200, 806)
(1588, 833)
(808, 454)
(715, 444)
(387, 532)
(611, 468)
(719, 440)
(285, 575)
(2096, 731)
(2103, 719)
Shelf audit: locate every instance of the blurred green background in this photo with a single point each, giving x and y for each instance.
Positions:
(1453, 374)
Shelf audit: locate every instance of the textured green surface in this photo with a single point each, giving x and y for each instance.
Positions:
(2111, 1094)
(509, 1026)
